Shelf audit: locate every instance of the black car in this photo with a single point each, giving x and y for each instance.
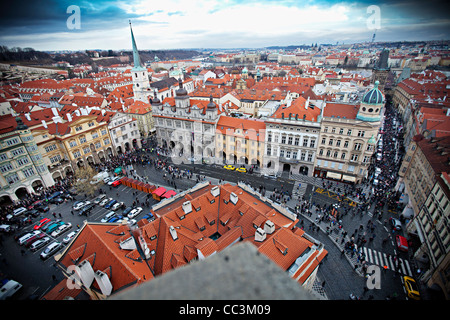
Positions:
(44, 208)
(35, 213)
(57, 200)
(86, 209)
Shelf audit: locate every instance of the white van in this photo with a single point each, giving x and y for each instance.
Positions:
(108, 216)
(5, 228)
(19, 211)
(9, 289)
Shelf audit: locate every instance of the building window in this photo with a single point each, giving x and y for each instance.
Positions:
(79, 128)
(338, 143)
(289, 140)
(310, 157)
(17, 152)
(330, 143)
(312, 144)
(72, 143)
(50, 148)
(94, 135)
(349, 132)
(361, 133)
(343, 155)
(328, 153)
(324, 140)
(341, 131)
(346, 144)
(321, 152)
(82, 140)
(283, 139)
(12, 142)
(22, 161)
(305, 142)
(354, 157)
(6, 167)
(357, 146)
(28, 172)
(76, 154)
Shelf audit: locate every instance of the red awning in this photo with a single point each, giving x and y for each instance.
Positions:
(160, 191)
(169, 194)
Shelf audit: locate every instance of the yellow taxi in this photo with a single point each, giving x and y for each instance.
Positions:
(241, 170)
(229, 167)
(411, 287)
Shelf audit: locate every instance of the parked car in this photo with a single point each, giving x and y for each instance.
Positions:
(19, 211)
(41, 223)
(229, 167)
(116, 183)
(117, 205)
(115, 219)
(110, 204)
(86, 209)
(9, 289)
(99, 198)
(33, 212)
(57, 200)
(50, 250)
(61, 229)
(242, 169)
(29, 241)
(27, 236)
(54, 226)
(78, 205)
(40, 243)
(127, 210)
(44, 208)
(108, 216)
(129, 221)
(134, 212)
(149, 217)
(412, 290)
(5, 228)
(48, 225)
(69, 237)
(105, 201)
(110, 182)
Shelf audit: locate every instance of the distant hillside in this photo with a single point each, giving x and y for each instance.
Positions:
(24, 55)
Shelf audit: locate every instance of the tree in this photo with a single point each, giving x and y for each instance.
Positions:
(83, 178)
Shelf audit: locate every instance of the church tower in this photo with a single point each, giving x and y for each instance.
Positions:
(139, 75)
(371, 105)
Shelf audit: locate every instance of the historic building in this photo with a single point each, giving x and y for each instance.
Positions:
(186, 126)
(22, 167)
(139, 75)
(292, 136)
(349, 133)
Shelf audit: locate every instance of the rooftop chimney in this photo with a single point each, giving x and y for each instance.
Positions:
(103, 282)
(44, 124)
(27, 115)
(187, 207)
(233, 198)
(215, 191)
(269, 227)
(69, 117)
(260, 235)
(173, 233)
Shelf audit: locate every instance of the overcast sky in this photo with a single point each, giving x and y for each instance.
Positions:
(172, 24)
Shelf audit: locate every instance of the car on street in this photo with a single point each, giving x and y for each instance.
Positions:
(110, 204)
(402, 243)
(116, 206)
(108, 216)
(61, 229)
(50, 250)
(27, 236)
(5, 228)
(41, 223)
(395, 224)
(69, 237)
(134, 212)
(105, 202)
(242, 169)
(40, 243)
(412, 290)
(106, 180)
(229, 167)
(19, 211)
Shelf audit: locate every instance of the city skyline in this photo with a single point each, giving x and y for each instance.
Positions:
(176, 24)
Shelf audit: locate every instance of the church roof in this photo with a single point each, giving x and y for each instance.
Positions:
(373, 96)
